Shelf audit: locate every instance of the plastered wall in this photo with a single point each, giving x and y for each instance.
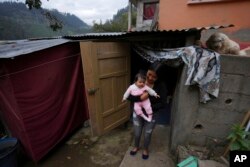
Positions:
(198, 124)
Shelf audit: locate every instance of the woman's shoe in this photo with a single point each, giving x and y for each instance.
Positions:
(145, 156)
(134, 151)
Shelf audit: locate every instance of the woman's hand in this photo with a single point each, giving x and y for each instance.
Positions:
(144, 96)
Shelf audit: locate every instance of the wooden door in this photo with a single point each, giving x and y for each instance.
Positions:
(106, 68)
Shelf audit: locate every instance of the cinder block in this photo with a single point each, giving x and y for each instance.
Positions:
(244, 104)
(246, 85)
(212, 116)
(225, 101)
(214, 130)
(231, 83)
(235, 64)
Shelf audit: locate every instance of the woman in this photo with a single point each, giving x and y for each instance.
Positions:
(157, 104)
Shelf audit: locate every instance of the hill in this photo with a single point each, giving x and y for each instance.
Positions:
(18, 22)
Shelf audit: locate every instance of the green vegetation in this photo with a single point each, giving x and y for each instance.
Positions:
(33, 4)
(117, 24)
(18, 22)
(239, 140)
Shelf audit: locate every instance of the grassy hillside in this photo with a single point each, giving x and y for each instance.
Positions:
(18, 22)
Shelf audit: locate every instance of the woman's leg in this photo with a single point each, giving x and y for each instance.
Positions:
(149, 127)
(138, 126)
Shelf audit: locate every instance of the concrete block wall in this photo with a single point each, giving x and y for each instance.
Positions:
(196, 123)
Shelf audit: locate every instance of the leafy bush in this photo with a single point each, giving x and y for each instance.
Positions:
(239, 138)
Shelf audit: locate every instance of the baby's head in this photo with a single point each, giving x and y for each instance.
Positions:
(140, 80)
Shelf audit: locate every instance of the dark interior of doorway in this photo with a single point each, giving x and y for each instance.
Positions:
(169, 75)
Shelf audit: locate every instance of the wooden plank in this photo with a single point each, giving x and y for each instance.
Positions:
(105, 73)
(89, 69)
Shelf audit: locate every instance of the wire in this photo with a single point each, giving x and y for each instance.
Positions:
(43, 64)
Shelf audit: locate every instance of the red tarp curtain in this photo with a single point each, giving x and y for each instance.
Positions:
(42, 97)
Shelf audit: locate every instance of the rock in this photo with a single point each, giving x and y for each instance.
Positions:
(76, 142)
(94, 139)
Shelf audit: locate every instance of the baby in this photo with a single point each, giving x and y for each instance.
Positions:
(137, 89)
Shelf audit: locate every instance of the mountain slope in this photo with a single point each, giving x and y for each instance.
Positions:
(18, 22)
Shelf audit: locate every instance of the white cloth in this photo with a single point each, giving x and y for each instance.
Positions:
(203, 66)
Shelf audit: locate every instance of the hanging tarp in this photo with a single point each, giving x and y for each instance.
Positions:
(203, 66)
(42, 97)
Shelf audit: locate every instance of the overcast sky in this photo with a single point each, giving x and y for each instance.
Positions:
(86, 10)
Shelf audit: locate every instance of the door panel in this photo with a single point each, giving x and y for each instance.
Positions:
(106, 68)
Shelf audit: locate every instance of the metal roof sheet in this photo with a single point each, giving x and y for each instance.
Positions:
(101, 34)
(9, 49)
(192, 29)
(96, 35)
(141, 32)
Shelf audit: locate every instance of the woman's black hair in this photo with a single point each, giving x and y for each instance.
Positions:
(140, 75)
(156, 66)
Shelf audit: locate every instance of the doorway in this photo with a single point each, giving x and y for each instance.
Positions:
(168, 74)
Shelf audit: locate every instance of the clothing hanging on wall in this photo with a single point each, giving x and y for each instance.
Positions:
(203, 66)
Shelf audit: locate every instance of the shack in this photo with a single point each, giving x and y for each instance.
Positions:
(40, 92)
(106, 64)
(110, 61)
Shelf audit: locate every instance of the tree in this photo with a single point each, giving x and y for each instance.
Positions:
(54, 22)
(117, 24)
(33, 4)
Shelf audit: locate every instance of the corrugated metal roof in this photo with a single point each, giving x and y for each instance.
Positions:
(101, 34)
(96, 35)
(142, 32)
(210, 27)
(191, 29)
(9, 49)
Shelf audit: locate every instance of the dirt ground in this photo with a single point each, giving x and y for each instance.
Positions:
(83, 150)
(112, 150)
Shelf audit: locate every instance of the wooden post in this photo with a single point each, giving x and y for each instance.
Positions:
(129, 15)
(154, 24)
